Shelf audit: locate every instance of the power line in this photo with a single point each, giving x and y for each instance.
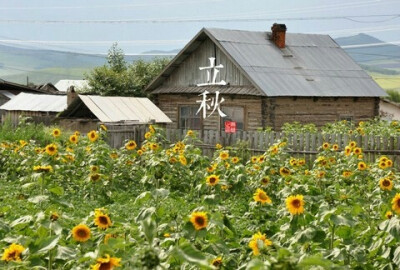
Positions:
(188, 20)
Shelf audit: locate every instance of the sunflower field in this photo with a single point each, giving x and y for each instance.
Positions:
(76, 203)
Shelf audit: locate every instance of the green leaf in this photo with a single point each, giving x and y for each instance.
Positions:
(145, 213)
(161, 193)
(21, 220)
(48, 243)
(315, 261)
(143, 197)
(65, 253)
(57, 190)
(344, 232)
(396, 256)
(149, 229)
(341, 220)
(256, 264)
(38, 199)
(190, 254)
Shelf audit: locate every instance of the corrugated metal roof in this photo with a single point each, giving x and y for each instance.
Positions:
(237, 90)
(63, 85)
(123, 109)
(309, 65)
(36, 103)
(7, 94)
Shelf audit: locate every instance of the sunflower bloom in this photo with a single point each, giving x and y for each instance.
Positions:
(389, 214)
(212, 180)
(386, 184)
(347, 174)
(284, 171)
(218, 146)
(13, 253)
(94, 169)
(130, 145)
(259, 241)
(261, 196)
(56, 132)
(183, 160)
(102, 220)
(295, 204)
(73, 138)
(357, 151)
(147, 135)
(93, 136)
(382, 164)
(347, 150)
(335, 147)
(265, 180)
(152, 129)
(154, 146)
(199, 220)
(235, 160)
(81, 233)
(190, 133)
(106, 263)
(362, 166)
(352, 144)
(325, 146)
(396, 203)
(217, 262)
(103, 127)
(224, 155)
(51, 149)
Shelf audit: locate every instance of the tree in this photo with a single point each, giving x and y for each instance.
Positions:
(117, 78)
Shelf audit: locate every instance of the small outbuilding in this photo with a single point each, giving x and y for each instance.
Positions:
(229, 80)
(40, 108)
(85, 112)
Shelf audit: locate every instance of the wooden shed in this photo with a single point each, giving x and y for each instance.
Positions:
(85, 112)
(40, 108)
(257, 79)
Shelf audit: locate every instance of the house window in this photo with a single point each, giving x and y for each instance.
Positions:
(188, 118)
(235, 114)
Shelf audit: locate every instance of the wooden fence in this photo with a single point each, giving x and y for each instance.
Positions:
(304, 145)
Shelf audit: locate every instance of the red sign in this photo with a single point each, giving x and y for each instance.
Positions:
(230, 127)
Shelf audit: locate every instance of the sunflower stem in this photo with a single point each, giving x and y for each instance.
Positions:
(332, 237)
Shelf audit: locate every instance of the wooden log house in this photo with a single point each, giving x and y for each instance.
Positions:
(263, 79)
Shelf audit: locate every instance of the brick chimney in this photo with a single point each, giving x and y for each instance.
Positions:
(71, 94)
(279, 35)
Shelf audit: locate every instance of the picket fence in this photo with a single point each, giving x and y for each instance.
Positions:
(305, 145)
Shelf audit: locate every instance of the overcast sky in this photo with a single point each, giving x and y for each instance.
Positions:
(91, 26)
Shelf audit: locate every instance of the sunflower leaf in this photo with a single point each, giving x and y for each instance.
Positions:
(190, 254)
(48, 243)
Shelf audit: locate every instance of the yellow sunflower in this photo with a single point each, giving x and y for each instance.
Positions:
(295, 204)
(217, 262)
(389, 214)
(94, 177)
(56, 132)
(93, 136)
(284, 171)
(386, 184)
(259, 241)
(81, 233)
(140, 152)
(389, 163)
(224, 155)
(325, 146)
(102, 220)
(73, 138)
(212, 180)
(106, 263)
(77, 133)
(103, 127)
(51, 149)
(94, 169)
(152, 129)
(254, 159)
(183, 160)
(190, 133)
(218, 146)
(54, 216)
(265, 180)
(357, 151)
(210, 168)
(347, 150)
(301, 162)
(130, 145)
(352, 144)
(147, 135)
(321, 174)
(335, 147)
(382, 164)
(199, 220)
(396, 203)
(261, 159)
(172, 160)
(361, 166)
(261, 196)
(154, 146)
(13, 253)
(347, 174)
(235, 160)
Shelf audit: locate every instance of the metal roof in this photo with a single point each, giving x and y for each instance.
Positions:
(237, 90)
(36, 103)
(7, 94)
(123, 109)
(63, 85)
(309, 65)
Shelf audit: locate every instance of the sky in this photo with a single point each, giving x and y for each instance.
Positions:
(92, 26)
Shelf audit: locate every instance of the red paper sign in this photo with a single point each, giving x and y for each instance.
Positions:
(230, 127)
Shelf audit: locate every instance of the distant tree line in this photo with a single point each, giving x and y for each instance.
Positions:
(118, 78)
(380, 70)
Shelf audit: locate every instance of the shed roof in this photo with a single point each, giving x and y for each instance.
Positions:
(119, 109)
(36, 103)
(309, 65)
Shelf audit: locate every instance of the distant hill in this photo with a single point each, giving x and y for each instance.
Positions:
(385, 56)
(42, 66)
